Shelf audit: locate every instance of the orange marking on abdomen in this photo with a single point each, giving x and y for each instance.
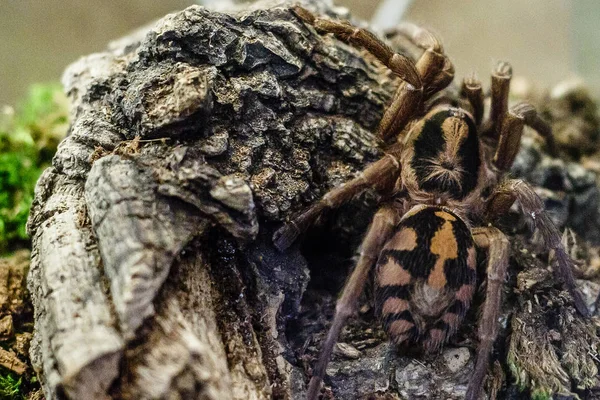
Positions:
(445, 215)
(437, 277)
(394, 305)
(465, 293)
(399, 327)
(444, 245)
(405, 239)
(392, 273)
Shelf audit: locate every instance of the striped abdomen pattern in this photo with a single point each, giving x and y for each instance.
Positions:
(426, 277)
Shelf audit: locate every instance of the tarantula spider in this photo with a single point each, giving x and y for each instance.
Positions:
(445, 182)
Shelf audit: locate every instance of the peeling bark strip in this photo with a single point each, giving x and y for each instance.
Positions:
(75, 346)
(153, 274)
(236, 119)
(138, 233)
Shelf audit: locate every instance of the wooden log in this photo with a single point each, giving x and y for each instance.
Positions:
(153, 272)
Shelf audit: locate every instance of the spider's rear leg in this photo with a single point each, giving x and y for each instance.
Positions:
(381, 229)
(533, 207)
(498, 247)
(511, 131)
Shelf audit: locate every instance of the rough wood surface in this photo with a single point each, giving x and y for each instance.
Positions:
(153, 274)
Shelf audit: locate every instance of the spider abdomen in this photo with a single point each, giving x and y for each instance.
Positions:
(426, 277)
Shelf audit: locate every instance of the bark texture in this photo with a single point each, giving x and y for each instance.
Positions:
(153, 274)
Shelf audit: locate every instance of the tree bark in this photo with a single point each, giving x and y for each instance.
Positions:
(153, 273)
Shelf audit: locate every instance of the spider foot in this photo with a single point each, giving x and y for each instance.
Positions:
(285, 236)
(564, 263)
(302, 13)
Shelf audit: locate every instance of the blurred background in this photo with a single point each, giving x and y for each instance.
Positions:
(545, 40)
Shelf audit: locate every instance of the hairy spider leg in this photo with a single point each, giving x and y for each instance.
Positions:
(431, 73)
(511, 131)
(472, 91)
(382, 227)
(498, 247)
(501, 77)
(533, 208)
(435, 68)
(506, 126)
(380, 175)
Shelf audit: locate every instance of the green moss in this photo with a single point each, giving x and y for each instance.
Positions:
(10, 387)
(540, 395)
(29, 135)
(28, 139)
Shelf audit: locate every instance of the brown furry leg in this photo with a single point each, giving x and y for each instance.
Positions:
(430, 74)
(379, 232)
(498, 253)
(511, 130)
(472, 91)
(533, 207)
(501, 77)
(379, 175)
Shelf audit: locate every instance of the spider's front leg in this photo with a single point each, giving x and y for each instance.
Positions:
(434, 67)
(379, 175)
(511, 131)
(381, 229)
(430, 74)
(501, 77)
(497, 245)
(400, 65)
(533, 207)
(472, 91)
(505, 125)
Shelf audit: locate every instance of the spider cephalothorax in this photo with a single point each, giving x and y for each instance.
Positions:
(445, 184)
(441, 158)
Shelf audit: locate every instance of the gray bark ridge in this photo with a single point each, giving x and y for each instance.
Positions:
(188, 144)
